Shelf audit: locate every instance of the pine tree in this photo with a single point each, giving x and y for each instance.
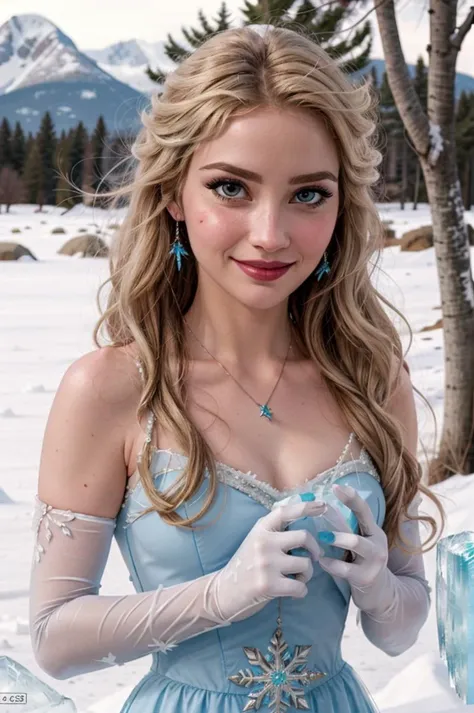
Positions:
(46, 141)
(63, 189)
(11, 187)
(390, 116)
(5, 144)
(463, 108)
(391, 127)
(420, 82)
(32, 177)
(18, 149)
(176, 53)
(464, 129)
(374, 80)
(76, 157)
(322, 23)
(29, 143)
(98, 140)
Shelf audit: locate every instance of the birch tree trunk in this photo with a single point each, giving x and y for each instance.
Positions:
(433, 138)
(417, 186)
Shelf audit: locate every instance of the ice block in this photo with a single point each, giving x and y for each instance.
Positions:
(455, 610)
(36, 696)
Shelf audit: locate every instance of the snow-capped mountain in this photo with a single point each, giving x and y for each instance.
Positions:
(41, 69)
(127, 62)
(33, 50)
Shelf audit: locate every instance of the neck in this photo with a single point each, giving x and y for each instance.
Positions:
(238, 336)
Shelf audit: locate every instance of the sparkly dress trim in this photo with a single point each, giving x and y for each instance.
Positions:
(248, 483)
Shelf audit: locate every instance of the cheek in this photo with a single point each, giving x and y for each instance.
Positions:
(216, 229)
(314, 237)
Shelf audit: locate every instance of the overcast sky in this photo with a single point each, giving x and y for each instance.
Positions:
(93, 24)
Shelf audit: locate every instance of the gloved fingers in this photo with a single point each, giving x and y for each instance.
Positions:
(338, 568)
(289, 587)
(281, 517)
(361, 546)
(293, 539)
(347, 495)
(298, 565)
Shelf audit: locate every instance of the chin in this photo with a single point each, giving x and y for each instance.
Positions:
(261, 298)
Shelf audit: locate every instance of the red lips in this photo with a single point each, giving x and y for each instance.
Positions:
(264, 264)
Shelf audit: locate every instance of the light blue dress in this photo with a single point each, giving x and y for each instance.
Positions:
(193, 676)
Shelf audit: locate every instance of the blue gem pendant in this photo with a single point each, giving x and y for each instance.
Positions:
(324, 269)
(266, 411)
(280, 671)
(177, 248)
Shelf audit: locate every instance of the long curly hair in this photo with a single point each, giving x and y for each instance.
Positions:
(340, 323)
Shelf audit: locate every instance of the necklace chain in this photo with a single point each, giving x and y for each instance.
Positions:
(264, 411)
(264, 408)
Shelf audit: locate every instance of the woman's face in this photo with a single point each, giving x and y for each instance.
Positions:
(248, 197)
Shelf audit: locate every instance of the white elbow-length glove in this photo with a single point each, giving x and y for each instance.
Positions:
(75, 630)
(374, 587)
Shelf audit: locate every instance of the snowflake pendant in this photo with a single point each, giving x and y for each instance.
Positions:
(280, 670)
(178, 251)
(266, 411)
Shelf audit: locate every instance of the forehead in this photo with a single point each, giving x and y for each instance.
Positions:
(292, 139)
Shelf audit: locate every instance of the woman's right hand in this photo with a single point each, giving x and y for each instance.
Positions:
(259, 569)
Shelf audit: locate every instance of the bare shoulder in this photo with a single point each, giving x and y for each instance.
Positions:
(82, 465)
(402, 405)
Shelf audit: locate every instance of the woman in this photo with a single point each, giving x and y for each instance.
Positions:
(241, 295)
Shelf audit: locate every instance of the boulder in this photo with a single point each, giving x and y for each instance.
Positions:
(389, 238)
(14, 251)
(418, 239)
(422, 238)
(88, 245)
(437, 325)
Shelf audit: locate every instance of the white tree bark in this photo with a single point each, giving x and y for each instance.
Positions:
(433, 138)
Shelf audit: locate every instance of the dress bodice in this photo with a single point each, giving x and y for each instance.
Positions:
(158, 554)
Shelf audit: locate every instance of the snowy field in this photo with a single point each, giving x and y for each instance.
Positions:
(47, 312)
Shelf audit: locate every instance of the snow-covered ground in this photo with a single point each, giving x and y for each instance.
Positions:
(47, 311)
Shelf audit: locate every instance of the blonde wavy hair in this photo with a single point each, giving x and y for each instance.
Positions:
(339, 323)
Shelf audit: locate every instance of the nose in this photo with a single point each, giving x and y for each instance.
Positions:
(269, 234)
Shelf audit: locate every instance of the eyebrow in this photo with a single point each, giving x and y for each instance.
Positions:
(251, 176)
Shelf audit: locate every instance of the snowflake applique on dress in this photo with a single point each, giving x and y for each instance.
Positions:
(280, 670)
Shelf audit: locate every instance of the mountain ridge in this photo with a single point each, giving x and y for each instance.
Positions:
(42, 69)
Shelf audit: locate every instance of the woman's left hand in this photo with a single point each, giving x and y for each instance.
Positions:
(369, 548)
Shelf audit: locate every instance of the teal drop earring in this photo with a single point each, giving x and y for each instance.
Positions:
(324, 269)
(177, 249)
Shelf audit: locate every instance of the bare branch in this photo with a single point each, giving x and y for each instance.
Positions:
(458, 38)
(361, 19)
(351, 27)
(364, 17)
(404, 93)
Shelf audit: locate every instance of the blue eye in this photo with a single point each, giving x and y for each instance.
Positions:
(216, 183)
(323, 193)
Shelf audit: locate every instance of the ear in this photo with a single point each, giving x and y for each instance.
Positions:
(175, 211)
